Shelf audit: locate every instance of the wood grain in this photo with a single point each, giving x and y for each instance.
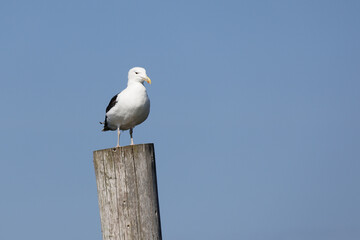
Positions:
(127, 192)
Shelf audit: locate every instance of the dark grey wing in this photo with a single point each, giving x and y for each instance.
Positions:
(112, 103)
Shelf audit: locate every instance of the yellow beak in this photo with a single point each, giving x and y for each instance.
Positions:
(148, 80)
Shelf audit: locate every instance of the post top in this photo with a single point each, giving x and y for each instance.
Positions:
(124, 148)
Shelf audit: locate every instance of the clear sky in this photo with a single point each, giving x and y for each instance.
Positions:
(255, 115)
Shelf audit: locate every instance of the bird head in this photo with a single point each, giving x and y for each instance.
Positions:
(138, 74)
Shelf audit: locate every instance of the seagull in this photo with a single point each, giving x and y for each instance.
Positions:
(130, 107)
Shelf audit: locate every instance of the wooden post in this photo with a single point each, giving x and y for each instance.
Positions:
(127, 191)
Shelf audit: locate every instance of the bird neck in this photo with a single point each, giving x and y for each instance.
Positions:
(132, 82)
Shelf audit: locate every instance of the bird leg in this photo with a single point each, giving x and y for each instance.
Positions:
(118, 140)
(132, 140)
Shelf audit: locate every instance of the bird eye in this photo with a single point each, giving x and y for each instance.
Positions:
(136, 73)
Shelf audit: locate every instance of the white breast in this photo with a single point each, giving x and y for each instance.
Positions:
(131, 109)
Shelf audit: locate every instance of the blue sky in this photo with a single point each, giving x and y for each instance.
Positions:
(255, 115)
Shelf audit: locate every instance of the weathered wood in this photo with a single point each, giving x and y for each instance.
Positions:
(127, 191)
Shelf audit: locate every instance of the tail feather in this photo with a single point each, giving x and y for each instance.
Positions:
(106, 128)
